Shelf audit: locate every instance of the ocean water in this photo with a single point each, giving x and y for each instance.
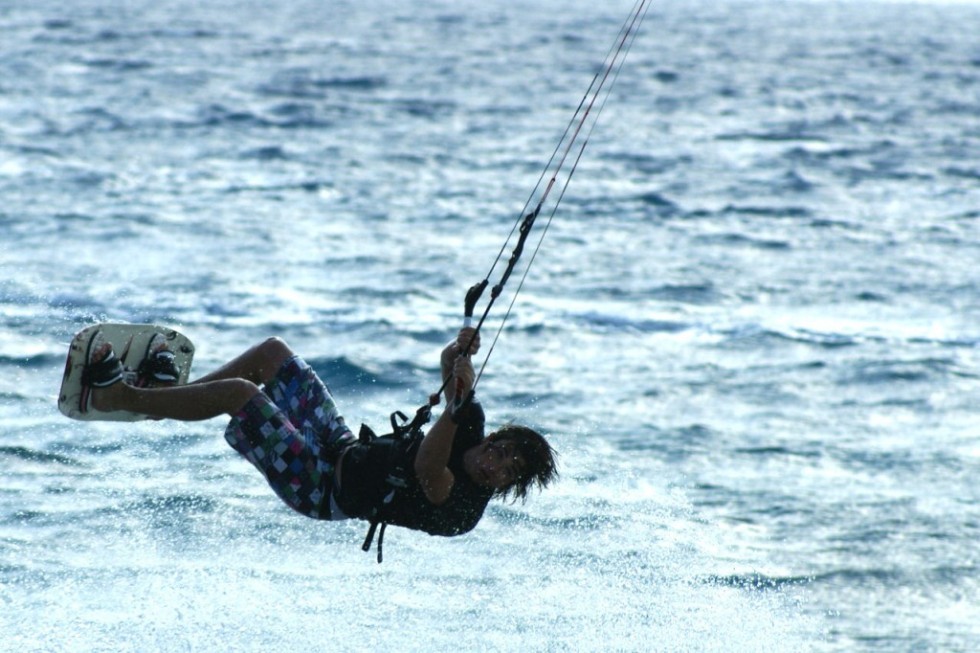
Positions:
(751, 332)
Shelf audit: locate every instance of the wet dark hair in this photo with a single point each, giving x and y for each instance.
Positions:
(540, 468)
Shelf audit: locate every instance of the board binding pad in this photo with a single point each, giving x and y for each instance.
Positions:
(129, 342)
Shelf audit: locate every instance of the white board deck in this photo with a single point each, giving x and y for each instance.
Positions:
(129, 341)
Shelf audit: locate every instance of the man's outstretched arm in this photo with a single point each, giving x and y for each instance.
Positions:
(432, 460)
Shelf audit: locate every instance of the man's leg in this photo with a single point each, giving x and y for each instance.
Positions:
(186, 403)
(259, 364)
(221, 392)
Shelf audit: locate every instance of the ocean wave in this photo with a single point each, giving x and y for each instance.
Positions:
(887, 372)
(70, 32)
(220, 116)
(882, 171)
(755, 335)
(299, 115)
(670, 445)
(957, 108)
(756, 582)
(653, 204)
(659, 202)
(99, 450)
(33, 149)
(589, 522)
(36, 456)
(972, 174)
(819, 339)
(430, 109)
(343, 373)
(160, 510)
(694, 293)
(115, 64)
(792, 212)
(777, 451)
(172, 504)
(305, 83)
(647, 164)
(58, 24)
(741, 240)
(32, 361)
(904, 461)
(610, 322)
(265, 153)
(790, 133)
(309, 186)
(25, 516)
(832, 223)
(385, 294)
(701, 294)
(855, 577)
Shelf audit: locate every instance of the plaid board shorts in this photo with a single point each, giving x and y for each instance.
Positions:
(291, 432)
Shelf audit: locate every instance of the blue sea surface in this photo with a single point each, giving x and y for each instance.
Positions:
(751, 331)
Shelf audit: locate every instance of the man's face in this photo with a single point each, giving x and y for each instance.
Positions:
(497, 465)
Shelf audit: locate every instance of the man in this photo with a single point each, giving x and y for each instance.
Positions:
(291, 431)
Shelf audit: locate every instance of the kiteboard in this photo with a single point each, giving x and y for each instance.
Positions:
(130, 342)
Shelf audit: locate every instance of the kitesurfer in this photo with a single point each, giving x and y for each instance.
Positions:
(286, 423)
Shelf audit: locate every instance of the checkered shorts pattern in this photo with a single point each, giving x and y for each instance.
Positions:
(290, 432)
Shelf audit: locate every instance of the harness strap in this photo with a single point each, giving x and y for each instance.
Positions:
(397, 475)
(381, 539)
(370, 536)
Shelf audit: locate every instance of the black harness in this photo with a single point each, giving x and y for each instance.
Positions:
(401, 444)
